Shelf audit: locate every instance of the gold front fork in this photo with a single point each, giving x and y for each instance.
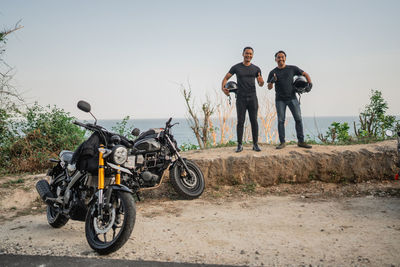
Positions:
(118, 177)
(100, 182)
(101, 169)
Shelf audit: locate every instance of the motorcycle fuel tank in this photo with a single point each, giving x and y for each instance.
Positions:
(148, 144)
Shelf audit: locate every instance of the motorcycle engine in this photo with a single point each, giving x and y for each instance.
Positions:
(149, 178)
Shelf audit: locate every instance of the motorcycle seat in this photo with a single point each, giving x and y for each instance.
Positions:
(66, 156)
(151, 133)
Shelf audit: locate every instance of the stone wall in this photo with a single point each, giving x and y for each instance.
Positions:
(355, 163)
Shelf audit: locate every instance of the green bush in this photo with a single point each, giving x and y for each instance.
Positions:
(338, 133)
(41, 134)
(187, 147)
(373, 120)
(122, 128)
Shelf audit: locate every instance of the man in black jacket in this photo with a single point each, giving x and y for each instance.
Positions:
(246, 74)
(285, 96)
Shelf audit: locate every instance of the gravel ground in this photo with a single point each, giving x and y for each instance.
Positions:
(316, 223)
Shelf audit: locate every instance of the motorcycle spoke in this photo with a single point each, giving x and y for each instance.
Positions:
(105, 237)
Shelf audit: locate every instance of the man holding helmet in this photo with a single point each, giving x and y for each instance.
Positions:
(246, 74)
(285, 89)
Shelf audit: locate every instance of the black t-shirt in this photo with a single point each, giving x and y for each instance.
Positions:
(284, 85)
(246, 76)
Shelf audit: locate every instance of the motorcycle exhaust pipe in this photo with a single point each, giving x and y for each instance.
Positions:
(43, 189)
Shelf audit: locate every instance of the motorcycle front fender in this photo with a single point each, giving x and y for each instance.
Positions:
(121, 187)
(174, 163)
(116, 187)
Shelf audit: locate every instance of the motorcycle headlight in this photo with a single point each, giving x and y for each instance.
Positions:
(119, 154)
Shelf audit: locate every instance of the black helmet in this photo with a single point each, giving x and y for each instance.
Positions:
(300, 84)
(231, 86)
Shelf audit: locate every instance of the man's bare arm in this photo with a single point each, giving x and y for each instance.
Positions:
(260, 80)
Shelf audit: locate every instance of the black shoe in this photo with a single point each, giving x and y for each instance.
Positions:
(281, 145)
(304, 144)
(239, 148)
(256, 148)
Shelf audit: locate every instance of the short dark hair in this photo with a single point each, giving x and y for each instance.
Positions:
(280, 51)
(248, 47)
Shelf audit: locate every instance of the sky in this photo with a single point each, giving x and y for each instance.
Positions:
(130, 58)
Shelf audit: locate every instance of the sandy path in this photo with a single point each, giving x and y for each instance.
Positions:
(262, 230)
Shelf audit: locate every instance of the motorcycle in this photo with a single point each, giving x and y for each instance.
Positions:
(390, 134)
(153, 152)
(85, 185)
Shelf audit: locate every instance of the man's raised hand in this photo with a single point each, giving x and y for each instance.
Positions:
(274, 79)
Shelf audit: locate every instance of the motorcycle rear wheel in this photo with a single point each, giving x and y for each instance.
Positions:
(56, 219)
(189, 187)
(102, 234)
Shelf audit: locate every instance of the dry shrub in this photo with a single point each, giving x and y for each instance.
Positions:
(31, 153)
(267, 115)
(226, 120)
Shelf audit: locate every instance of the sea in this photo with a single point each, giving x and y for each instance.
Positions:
(313, 126)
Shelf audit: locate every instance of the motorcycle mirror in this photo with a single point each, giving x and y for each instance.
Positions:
(135, 132)
(389, 133)
(84, 106)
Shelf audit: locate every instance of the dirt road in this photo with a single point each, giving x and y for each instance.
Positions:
(361, 229)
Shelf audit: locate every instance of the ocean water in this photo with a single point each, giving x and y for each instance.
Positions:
(184, 135)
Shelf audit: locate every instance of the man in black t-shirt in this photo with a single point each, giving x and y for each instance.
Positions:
(285, 96)
(246, 74)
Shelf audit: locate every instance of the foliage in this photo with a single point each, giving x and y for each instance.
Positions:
(337, 133)
(248, 187)
(373, 119)
(397, 127)
(41, 134)
(123, 129)
(187, 147)
(228, 144)
(7, 127)
(55, 124)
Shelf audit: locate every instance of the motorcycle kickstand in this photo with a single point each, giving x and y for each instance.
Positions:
(138, 196)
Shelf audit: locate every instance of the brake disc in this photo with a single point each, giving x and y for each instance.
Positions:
(104, 228)
(190, 181)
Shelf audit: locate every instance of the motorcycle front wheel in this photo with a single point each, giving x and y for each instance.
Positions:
(188, 186)
(109, 231)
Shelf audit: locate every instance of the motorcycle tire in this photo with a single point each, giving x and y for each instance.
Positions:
(123, 204)
(185, 186)
(56, 219)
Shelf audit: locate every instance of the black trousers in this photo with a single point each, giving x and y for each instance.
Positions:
(249, 103)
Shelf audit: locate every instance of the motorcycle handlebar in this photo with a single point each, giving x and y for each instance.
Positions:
(89, 126)
(79, 124)
(169, 121)
(92, 127)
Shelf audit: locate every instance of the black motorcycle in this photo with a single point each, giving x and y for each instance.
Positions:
(155, 151)
(85, 185)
